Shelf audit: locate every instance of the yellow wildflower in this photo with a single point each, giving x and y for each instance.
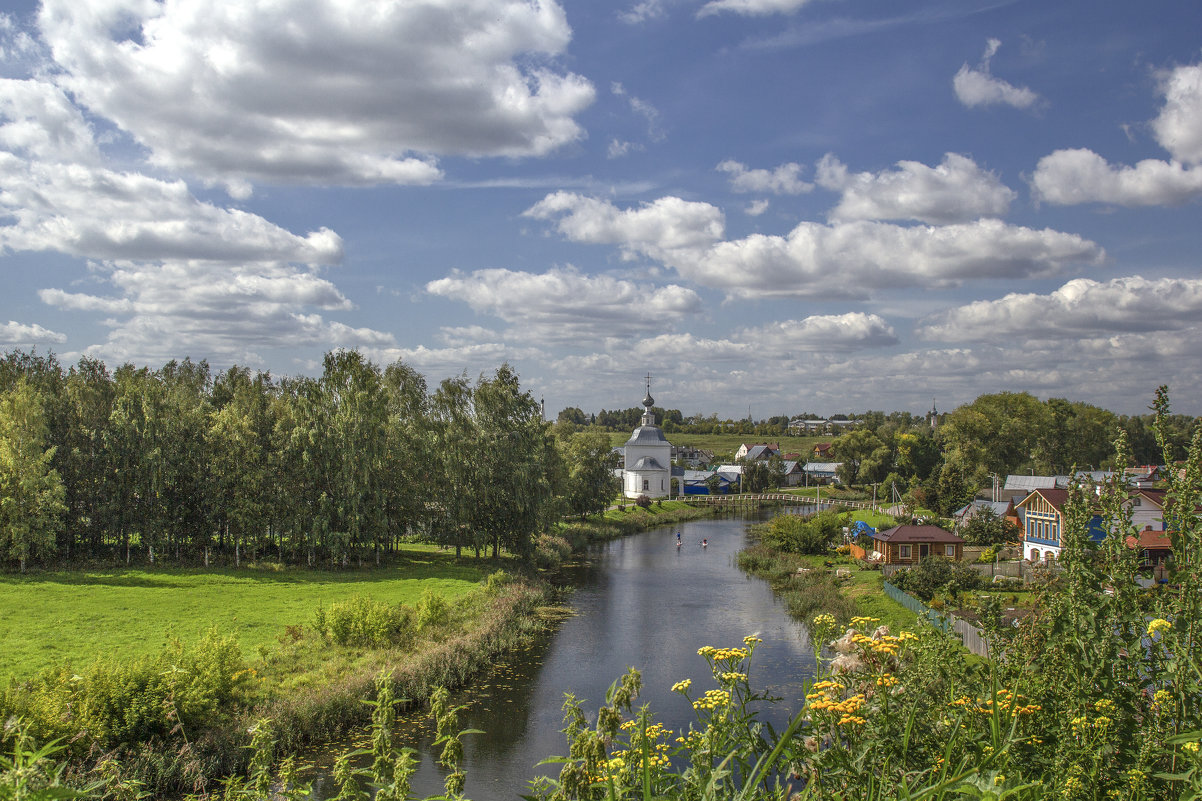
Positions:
(1191, 747)
(1159, 624)
(682, 686)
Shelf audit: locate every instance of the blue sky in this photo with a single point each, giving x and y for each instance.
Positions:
(787, 205)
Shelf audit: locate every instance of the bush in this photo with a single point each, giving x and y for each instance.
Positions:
(365, 622)
(432, 610)
(811, 534)
(643, 502)
(936, 574)
(550, 551)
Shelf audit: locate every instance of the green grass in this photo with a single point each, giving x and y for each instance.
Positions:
(50, 618)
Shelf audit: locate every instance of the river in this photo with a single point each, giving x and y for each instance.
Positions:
(639, 601)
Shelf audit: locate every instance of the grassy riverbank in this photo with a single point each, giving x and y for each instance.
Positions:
(821, 590)
(157, 675)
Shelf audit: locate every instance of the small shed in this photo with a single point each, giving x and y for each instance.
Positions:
(906, 545)
(1154, 547)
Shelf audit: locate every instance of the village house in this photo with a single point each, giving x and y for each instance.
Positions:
(758, 452)
(906, 545)
(1043, 516)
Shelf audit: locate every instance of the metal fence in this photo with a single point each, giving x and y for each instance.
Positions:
(969, 634)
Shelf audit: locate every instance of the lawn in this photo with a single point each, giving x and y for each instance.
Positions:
(51, 618)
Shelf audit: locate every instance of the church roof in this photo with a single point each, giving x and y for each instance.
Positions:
(646, 463)
(647, 435)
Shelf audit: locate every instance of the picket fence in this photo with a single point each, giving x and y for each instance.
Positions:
(969, 634)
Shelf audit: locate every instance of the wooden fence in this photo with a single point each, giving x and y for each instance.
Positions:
(736, 499)
(969, 634)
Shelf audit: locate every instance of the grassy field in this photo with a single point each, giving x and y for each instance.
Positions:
(51, 618)
(725, 445)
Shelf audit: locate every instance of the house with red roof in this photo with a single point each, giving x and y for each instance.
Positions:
(1154, 547)
(908, 545)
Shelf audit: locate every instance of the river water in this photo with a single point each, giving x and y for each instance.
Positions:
(639, 601)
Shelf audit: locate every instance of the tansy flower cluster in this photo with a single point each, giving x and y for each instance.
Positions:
(856, 622)
(732, 676)
(722, 654)
(1007, 703)
(886, 680)
(682, 686)
(1159, 624)
(712, 699)
(824, 697)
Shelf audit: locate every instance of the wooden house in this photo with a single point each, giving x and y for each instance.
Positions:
(904, 545)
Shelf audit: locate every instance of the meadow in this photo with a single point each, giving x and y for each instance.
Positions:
(48, 619)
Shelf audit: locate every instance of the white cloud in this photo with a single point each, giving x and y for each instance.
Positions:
(783, 180)
(824, 332)
(60, 197)
(642, 11)
(956, 190)
(751, 8)
(321, 91)
(619, 148)
(225, 312)
(1179, 126)
(1068, 177)
(849, 260)
(857, 259)
(1082, 307)
(14, 333)
(1081, 176)
(564, 305)
(977, 87)
(756, 207)
(657, 229)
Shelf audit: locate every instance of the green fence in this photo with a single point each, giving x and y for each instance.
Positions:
(969, 634)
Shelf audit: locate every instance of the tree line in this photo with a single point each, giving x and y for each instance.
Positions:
(185, 464)
(996, 435)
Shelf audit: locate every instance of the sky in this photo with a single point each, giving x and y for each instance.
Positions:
(770, 206)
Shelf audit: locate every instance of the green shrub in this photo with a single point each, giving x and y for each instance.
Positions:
(361, 621)
(432, 610)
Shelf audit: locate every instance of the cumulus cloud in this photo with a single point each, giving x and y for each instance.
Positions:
(1082, 307)
(853, 259)
(14, 333)
(956, 190)
(564, 305)
(60, 198)
(1078, 175)
(783, 180)
(323, 92)
(977, 87)
(848, 260)
(751, 8)
(658, 229)
(176, 275)
(1178, 128)
(229, 313)
(824, 332)
(1068, 177)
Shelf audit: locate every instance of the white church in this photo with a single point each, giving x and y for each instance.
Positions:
(648, 467)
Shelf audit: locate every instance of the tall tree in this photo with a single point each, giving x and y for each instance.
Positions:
(590, 484)
(31, 492)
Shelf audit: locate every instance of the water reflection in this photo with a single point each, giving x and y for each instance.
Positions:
(640, 601)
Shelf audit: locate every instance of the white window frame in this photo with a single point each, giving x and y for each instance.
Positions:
(949, 550)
